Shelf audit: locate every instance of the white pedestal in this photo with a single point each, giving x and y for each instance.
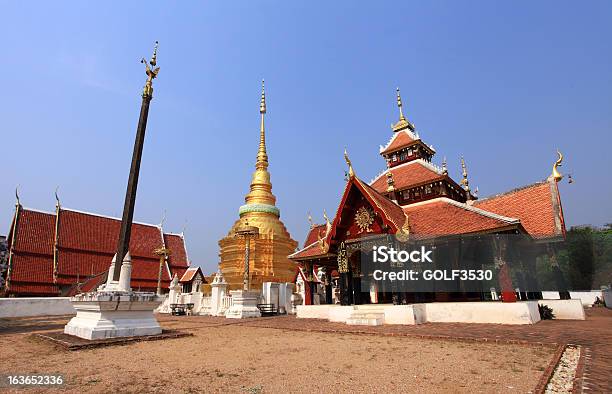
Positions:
(244, 305)
(111, 314)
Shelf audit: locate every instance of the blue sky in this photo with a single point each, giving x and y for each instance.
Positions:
(502, 83)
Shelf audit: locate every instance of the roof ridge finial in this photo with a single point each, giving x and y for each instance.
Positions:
(444, 167)
(399, 104)
(351, 172)
(328, 224)
(57, 200)
(262, 155)
(464, 181)
(17, 202)
(312, 225)
(556, 175)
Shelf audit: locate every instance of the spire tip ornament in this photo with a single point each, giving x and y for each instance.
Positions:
(399, 104)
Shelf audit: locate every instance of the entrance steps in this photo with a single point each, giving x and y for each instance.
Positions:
(366, 315)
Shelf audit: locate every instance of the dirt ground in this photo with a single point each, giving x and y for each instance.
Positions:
(223, 357)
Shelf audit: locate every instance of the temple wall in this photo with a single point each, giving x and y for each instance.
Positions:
(565, 309)
(587, 297)
(35, 306)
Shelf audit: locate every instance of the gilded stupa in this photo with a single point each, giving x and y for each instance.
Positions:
(268, 250)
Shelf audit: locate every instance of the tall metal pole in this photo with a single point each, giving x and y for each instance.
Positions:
(245, 279)
(130, 194)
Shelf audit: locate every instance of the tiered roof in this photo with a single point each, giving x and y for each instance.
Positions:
(45, 260)
(412, 173)
(534, 210)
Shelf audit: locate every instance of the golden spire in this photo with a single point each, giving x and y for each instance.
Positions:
(464, 181)
(402, 123)
(261, 187)
(262, 155)
(399, 104)
(351, 173)
(151, 74)
(555, 172)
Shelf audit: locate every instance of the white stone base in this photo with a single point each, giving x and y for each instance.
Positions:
(244, 305)
(448, 312)
(565, 309)
(366, 318)
(102, 315)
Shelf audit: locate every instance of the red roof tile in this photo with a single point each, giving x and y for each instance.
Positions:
(312, 250)
(86, 245)
(37, 289)
(443, 216)
(178, 252)
(314, 234)
(535, 205)
(31, 268)
(190, 273)
(84, 231)
(412, 173)
(398, 141)
(40, 235)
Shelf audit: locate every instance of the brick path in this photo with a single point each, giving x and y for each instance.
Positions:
(594, 334)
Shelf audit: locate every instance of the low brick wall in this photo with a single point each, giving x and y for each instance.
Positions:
(35, 306)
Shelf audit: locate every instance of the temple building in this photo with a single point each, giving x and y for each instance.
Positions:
(413, 197)
(68, 251)
(268, 243)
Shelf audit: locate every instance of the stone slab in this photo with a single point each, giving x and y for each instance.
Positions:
(70, 342)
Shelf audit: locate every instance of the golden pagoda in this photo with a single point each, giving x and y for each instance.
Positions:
(268, 248)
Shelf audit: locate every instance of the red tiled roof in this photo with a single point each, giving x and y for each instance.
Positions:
(412, 173)
(535, 205)
(398, 141)
(314, 234)
(37, 289)
(190, 273)
(39, 238)
(83, 231)
(177, 260)
(311, 250)
(30, 268)
(86, 245)
(443, 216)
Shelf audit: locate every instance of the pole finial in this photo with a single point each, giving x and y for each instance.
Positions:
(399, 104)
(17, 202)
(151, 73)
(351, 173)
(557, 176)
